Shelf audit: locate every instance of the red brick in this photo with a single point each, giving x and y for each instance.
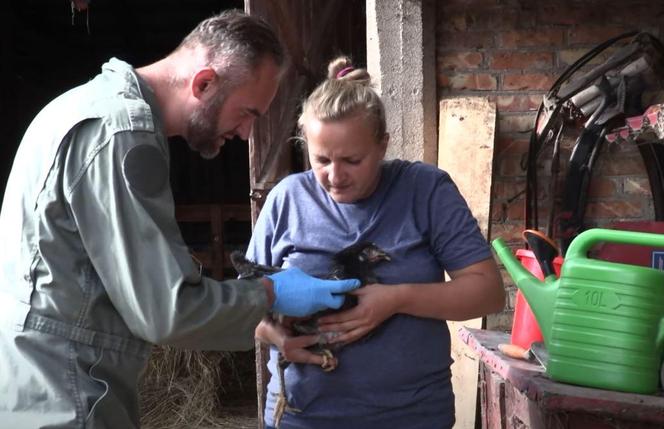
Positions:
(498, 213)
(471, 81)
(648, 15)
(507, 145)
(533, 81)
(519, 123)
(602, 187)
(470, 3)
(465, 40)
(552, 37)
(544, 188)
(616, 151)
(637, 186)
(622, 166)
(567, 57)
(453, 19)
(502, 18)
(614, 209)
(509, 189)
(543, 210)
(510, 232)
(521, 60)
(554, 14)
(592, 34)
(459, 60)
(510, 166)
(518, 102)
(516, 210)
(511, 211)
(443, 81)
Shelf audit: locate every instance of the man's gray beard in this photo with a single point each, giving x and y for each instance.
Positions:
(202, 128)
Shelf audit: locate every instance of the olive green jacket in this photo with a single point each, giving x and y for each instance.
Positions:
(93, 268)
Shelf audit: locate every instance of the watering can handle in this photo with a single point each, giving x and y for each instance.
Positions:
(584, 241)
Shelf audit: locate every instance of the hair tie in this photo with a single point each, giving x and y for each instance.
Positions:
(344, 72)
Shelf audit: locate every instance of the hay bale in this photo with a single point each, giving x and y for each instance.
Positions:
(180, 388)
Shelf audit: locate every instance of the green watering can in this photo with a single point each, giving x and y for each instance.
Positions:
(602, 322)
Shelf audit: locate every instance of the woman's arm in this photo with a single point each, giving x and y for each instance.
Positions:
(293, 349)
(474, 291)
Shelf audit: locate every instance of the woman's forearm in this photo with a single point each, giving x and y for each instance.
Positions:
(473, 292)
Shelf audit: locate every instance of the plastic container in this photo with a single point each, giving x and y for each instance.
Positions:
(602, 322)
(525, 329)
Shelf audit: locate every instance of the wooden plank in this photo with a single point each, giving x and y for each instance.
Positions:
(465, 150)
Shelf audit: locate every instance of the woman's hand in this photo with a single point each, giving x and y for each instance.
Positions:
(376, 303)
(293, 349)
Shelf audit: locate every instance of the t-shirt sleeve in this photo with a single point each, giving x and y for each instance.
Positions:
(261, 242)
(456, 239)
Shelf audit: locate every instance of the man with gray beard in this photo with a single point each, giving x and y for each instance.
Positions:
(93, 268)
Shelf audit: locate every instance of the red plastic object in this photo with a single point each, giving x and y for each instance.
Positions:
(525, 329)
(631, 253)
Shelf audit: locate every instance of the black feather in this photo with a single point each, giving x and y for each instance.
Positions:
(353, 262)
(356, 261)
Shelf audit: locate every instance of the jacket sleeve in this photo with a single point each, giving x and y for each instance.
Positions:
(122, 204)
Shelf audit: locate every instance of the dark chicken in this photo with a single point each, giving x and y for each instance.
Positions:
(355, 261)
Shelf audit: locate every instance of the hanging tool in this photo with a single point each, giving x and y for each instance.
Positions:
(592, 103)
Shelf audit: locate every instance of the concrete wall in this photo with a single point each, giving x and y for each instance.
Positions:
(400, 57)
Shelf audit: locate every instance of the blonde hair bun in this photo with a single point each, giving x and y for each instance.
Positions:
(341, 68)
(346, 92)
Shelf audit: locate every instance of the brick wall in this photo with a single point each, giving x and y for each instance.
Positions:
(512, 52)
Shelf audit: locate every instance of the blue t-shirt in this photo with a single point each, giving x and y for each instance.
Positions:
(399, 376)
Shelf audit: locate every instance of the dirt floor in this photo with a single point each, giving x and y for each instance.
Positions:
(238, 403)
(231, 418)
(236, 418)
(238, 413)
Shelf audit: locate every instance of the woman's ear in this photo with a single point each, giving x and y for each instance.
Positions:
(203, 80)
(383, 143)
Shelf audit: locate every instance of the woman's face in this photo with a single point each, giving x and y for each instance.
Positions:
(345, 157)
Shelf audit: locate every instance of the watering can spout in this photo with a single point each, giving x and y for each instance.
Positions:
(540, 295)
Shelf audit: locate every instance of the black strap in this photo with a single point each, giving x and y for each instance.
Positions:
(612, 98)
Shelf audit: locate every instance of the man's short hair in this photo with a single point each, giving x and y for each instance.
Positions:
(236, 40)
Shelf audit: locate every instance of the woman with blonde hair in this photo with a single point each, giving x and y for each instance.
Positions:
(399, 376)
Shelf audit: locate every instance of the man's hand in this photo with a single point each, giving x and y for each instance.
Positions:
(299, 294)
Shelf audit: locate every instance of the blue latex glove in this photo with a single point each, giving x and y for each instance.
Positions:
(299, 294)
